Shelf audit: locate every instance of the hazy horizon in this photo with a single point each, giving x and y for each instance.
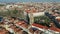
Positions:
(29, 0)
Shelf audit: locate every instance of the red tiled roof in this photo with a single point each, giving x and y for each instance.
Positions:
(51, 28)
(55, 29)
(38, 25)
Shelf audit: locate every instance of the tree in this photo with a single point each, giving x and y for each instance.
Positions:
(39, 20)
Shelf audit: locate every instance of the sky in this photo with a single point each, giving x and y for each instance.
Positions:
(29, 0)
